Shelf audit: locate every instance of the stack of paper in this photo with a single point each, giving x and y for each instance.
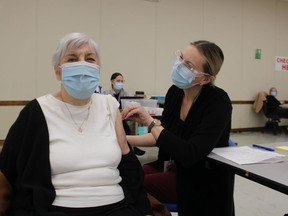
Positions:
(248, 155)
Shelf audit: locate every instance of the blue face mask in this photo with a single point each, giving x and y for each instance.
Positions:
(80, 79)
(118, 85)
(273, 93)
(181, 76)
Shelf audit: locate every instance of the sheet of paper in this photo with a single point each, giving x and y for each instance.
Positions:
(248, 155)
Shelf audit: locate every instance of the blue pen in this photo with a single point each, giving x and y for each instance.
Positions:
(263, 147)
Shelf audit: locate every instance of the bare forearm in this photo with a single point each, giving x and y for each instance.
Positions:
(146, 140)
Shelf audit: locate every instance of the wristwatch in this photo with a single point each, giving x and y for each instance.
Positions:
(155, 122)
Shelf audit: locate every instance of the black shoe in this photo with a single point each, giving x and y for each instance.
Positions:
(138, 151)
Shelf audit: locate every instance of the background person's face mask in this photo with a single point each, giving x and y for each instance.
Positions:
(80, 79)
(118, 85)
(181, 76)
(273, 93)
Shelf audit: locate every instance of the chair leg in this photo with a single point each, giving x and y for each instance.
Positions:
(272, 125)
(275, 128)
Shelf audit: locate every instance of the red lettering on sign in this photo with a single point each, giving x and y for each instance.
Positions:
(285, 67)
(282, 60)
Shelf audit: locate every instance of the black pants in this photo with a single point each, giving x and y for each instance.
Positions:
(281, 112)
(116, 209)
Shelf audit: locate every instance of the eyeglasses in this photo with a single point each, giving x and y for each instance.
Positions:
(179, 56)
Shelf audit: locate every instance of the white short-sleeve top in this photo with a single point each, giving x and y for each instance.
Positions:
(83, 165)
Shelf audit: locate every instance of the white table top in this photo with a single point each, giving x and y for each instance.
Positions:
(273, 175)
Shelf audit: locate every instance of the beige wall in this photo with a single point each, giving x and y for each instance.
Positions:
(138, 38)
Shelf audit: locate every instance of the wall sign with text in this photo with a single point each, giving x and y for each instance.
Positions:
(281, 63)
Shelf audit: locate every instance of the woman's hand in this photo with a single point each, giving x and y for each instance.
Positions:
(137, 113)
(6, 194)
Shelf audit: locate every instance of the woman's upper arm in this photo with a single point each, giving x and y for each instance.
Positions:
(121, 136)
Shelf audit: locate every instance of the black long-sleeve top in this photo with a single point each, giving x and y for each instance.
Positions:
(272, 104)
(201, 190)
(24, 160)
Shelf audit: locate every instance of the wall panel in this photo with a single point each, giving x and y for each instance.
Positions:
(138, 38)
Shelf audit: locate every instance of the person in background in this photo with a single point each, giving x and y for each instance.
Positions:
(117, 91)
(67, 153)
(275, 106)
(117, 86)
(196, 119)
(273, 96)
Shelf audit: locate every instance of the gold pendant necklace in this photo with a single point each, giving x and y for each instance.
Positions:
(79, 128)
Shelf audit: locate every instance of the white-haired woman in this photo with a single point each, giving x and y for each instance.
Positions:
(66, 154)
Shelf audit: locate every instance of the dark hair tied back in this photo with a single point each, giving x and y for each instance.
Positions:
(114, 75)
